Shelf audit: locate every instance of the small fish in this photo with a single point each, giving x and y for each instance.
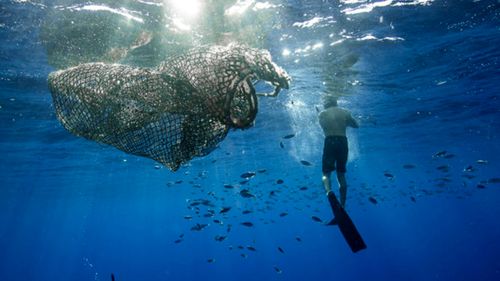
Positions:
(469, 169)
(280, 181)
(482, 161)
(244, 255)
(443, 168)
(494, 180)
(241, 247)
(112, 277)
(228, 186)
(281, 250)
(247, 175)
(372, 200)
(261, 171)
(247, 224)
(220, 238)
(199, 227)
(439, 154)
(244, 182)
(303, 188)
(481, 186)
(448, 156)
(188, 217)
(289, 136)
(389, 175)
(224, 210)
(245, 193)
(282, 145)
(408, 166)
(250, 248)
(178, 241)
(245, 212)
(211, 260)
(218, 221)
(277, 270)
(298, 238)
(283, 214)
(305, 163)
(178, 182)
(413, 199)
(316, 219)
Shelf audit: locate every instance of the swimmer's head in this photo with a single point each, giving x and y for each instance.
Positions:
(329, 101)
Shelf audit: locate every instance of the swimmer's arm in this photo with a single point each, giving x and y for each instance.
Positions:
(351, 122)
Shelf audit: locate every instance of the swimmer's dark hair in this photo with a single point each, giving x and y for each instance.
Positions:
(329, 101)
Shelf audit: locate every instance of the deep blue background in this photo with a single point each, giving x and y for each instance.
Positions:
(71, 209)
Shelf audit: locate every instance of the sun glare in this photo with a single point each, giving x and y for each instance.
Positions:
(186, 9)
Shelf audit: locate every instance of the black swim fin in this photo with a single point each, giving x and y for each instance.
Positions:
(347, 227)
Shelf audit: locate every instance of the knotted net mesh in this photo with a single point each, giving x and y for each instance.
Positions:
(181, 109)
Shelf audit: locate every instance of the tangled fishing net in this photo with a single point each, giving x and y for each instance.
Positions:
(181, 109)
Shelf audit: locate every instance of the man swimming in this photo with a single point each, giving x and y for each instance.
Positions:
(334, 121)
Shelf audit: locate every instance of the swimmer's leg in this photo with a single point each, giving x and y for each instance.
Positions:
(327, 182)
(342, 188)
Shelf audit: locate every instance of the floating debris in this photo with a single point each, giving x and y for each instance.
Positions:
(247, 175)
(245, 193)
(409, 166)
(247, 224)
(305, 163)
(277, 270)
(281, 250)
(199, 227)
(289, 136)
(372, 200)
(316, 219)
(280, 181)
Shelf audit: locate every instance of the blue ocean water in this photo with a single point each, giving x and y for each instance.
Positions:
(424, 180)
